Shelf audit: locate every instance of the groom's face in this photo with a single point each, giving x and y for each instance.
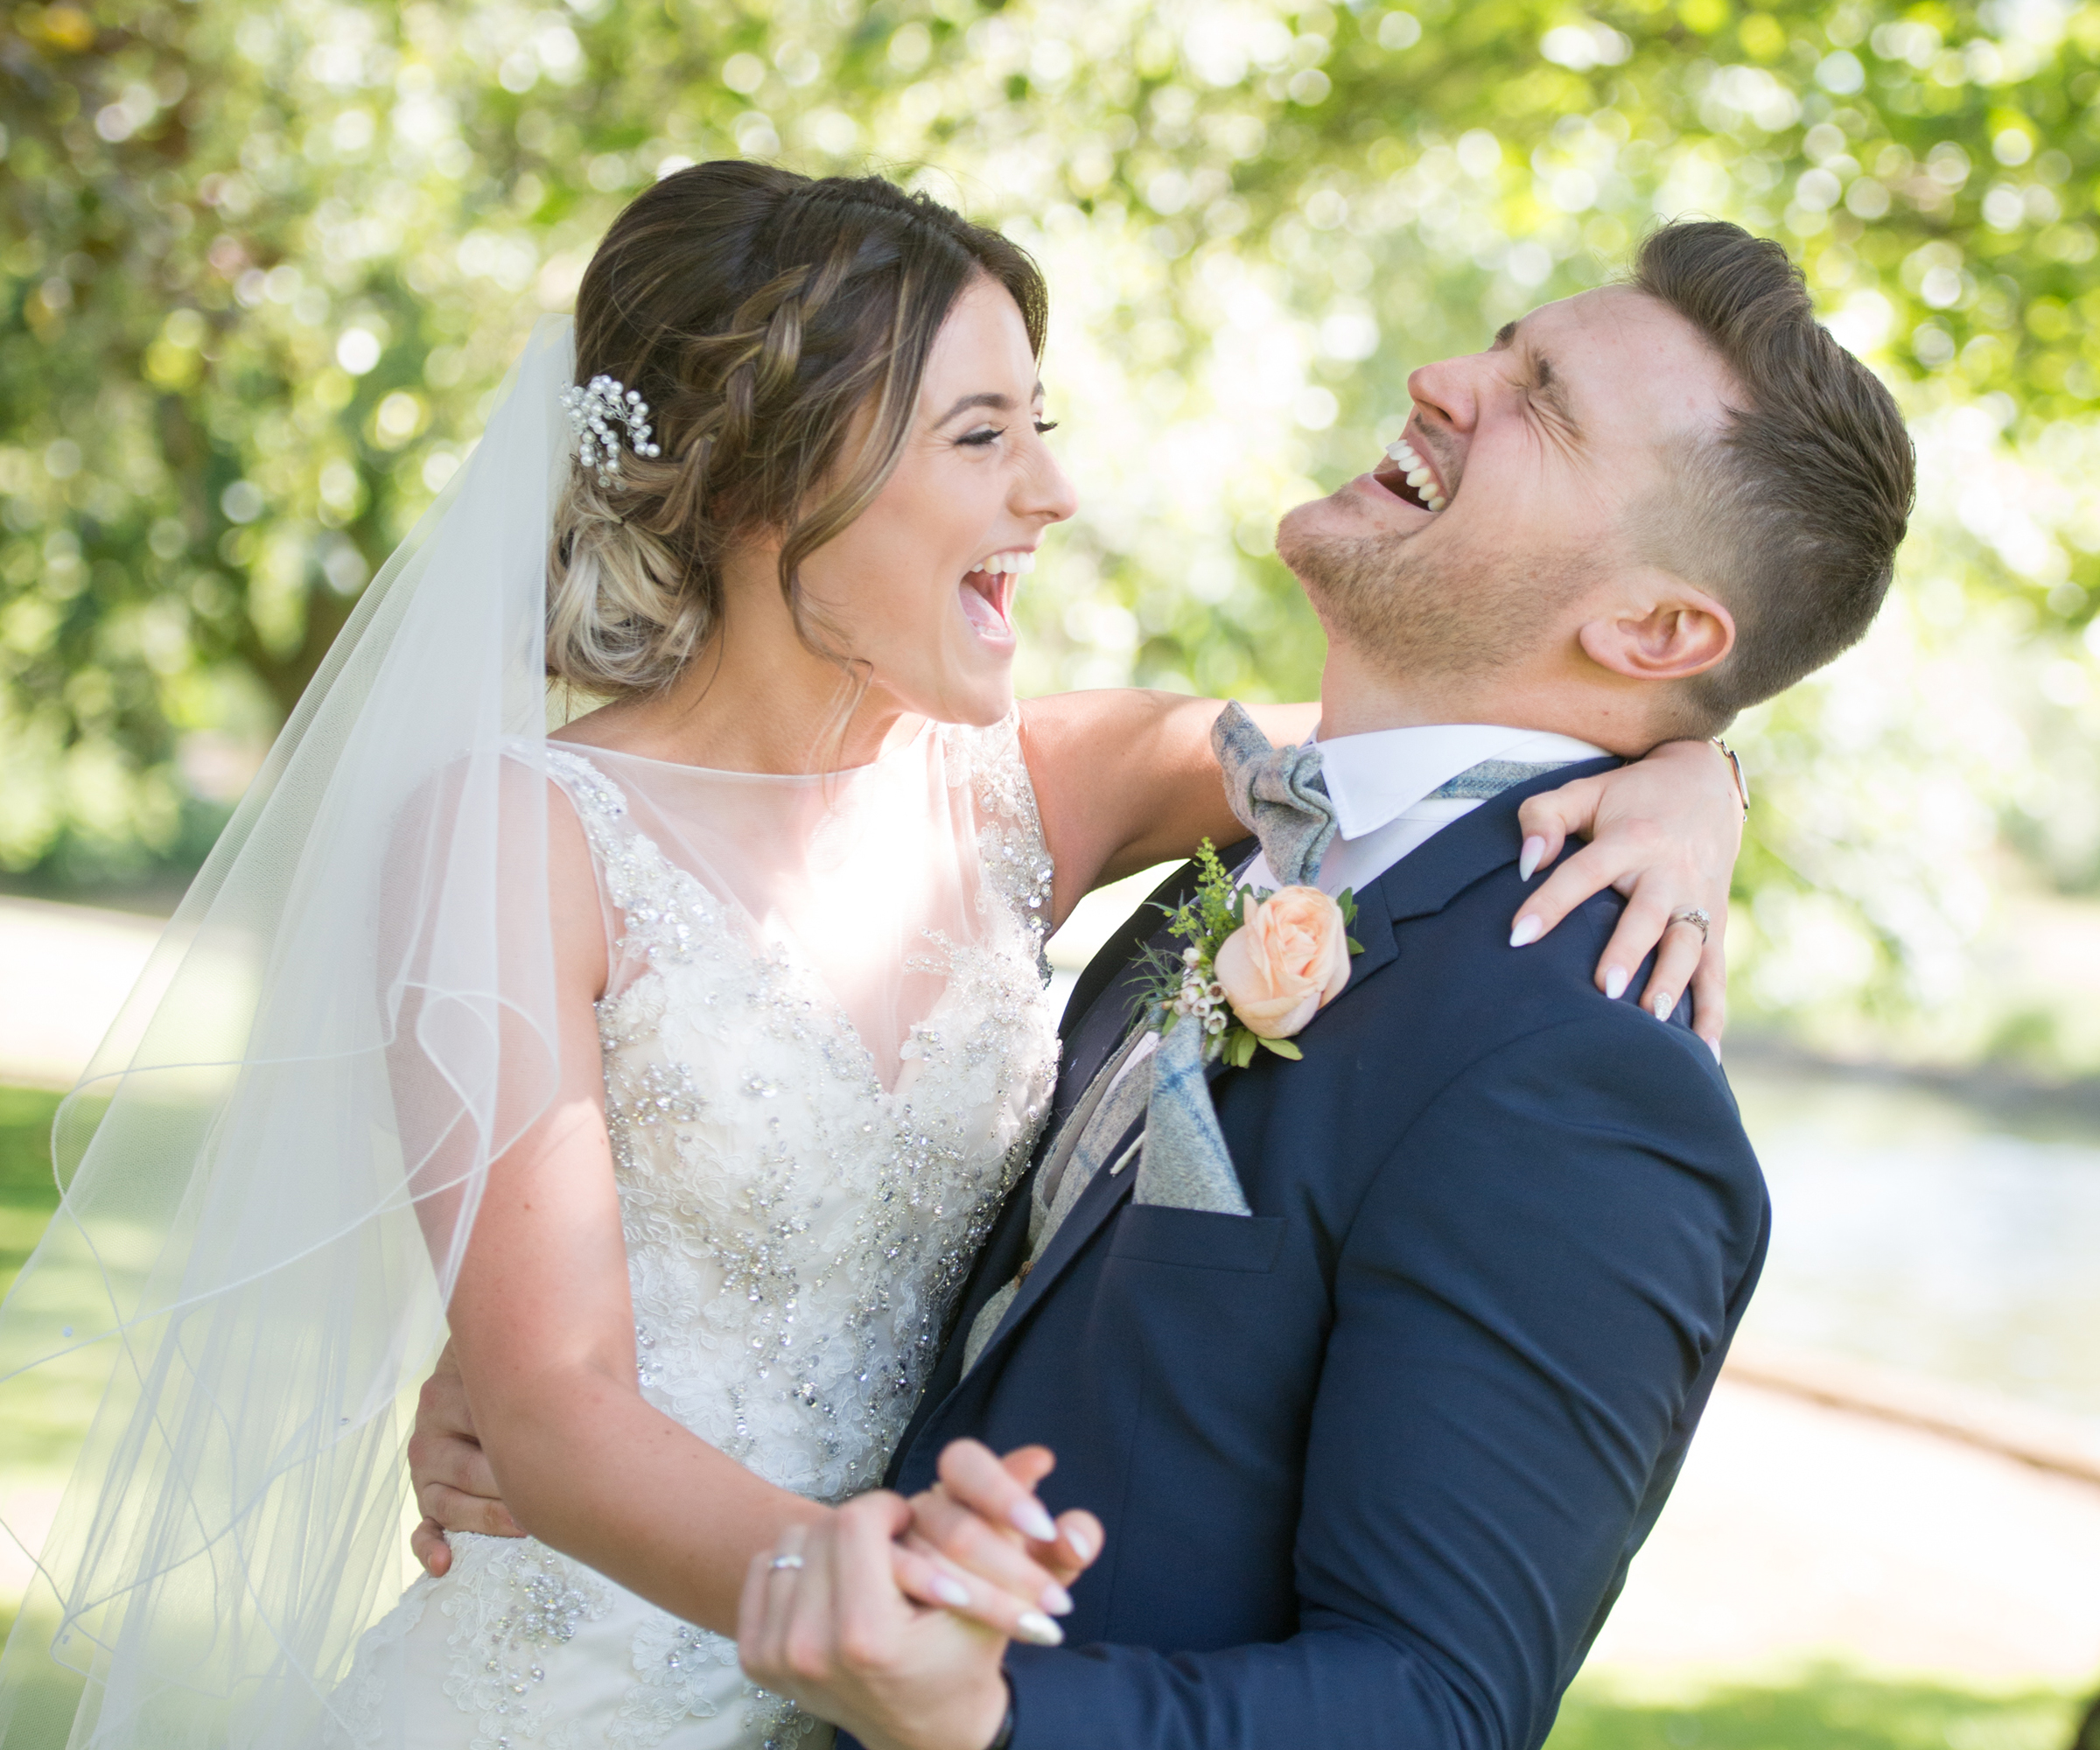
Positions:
(1546, 450)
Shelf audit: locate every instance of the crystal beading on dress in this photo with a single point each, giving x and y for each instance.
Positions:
(797, 1231)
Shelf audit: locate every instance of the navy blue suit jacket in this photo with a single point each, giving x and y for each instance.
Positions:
(1373, 1461)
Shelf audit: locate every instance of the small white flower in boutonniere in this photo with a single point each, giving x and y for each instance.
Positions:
(1258, 965)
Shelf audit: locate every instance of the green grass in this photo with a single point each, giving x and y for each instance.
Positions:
(27, 1194)
(27, 1197)
(1828, 1707)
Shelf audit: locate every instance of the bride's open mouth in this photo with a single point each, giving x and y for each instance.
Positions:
(1407, 474)
(987, 593)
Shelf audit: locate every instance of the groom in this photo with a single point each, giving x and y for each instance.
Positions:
(1372, 1461)
(1372, 1458)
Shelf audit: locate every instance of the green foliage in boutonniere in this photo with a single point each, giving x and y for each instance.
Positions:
(1258, 963)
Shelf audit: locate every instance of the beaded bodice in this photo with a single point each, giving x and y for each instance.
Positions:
(797, 1230)
(827, 1047)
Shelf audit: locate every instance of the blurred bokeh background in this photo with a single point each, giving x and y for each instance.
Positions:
(261, 266)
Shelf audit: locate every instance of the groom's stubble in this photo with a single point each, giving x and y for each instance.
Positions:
(1421, 613)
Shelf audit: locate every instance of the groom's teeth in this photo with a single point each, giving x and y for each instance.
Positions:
(1420, 477)
(1437, 501)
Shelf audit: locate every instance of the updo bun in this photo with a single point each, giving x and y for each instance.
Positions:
(757, 311)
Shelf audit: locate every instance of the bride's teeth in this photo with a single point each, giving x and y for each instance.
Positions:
(1437, 501)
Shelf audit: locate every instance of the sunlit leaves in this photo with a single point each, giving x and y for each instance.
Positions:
(264, 265)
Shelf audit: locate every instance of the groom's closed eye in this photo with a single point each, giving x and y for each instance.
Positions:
(1546, 383)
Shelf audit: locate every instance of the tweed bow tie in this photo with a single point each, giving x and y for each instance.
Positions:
(1278, 794)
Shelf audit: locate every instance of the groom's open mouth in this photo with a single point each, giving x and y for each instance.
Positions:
(987, 593)
(1408, 474)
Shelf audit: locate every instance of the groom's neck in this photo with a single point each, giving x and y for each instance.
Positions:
(1357, 696)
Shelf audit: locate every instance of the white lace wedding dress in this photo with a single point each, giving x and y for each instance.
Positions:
(827, 1051)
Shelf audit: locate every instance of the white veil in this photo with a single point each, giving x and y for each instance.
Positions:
(269, 1170)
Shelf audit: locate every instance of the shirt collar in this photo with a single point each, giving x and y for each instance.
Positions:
(1375, 778)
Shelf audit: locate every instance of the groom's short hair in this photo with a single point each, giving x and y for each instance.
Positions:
(1792, 516)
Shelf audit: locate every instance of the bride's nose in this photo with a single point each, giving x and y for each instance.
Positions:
(1044, 490)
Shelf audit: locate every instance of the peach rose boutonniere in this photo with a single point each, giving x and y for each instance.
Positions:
(1258, 964)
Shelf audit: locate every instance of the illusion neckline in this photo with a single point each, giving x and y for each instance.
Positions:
(591, 749)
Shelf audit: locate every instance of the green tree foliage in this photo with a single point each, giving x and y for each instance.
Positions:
(264, 265)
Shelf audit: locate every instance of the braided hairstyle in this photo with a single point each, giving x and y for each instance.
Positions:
(767, 318)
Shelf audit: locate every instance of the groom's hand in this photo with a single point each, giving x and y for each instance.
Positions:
(823, 1622)
(454, 1483)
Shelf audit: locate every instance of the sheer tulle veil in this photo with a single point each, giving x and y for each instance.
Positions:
(269, 1170)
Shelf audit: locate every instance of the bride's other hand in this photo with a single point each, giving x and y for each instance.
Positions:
(449, 1473)
(980, 1540)
(1664, 831)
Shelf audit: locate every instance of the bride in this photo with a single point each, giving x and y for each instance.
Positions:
(675, 1061)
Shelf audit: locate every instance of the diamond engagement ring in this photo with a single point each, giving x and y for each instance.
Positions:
(788, 1561)
(1695, 916)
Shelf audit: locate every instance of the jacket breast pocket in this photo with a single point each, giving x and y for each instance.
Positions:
(1152, 1233)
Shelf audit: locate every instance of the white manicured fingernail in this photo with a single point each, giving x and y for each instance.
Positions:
(1032, 1523)
(1528, 928)
(1038, 1630)
(1056, 1600)
(1614, 983)
(1662, 1006)
(1714, 1045)
(1527, 862)
(953, 1593)
(1081, 1545)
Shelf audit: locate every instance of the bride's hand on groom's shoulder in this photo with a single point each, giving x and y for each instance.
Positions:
(1664, 831)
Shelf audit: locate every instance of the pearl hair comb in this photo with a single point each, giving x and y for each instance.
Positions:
(594, 411)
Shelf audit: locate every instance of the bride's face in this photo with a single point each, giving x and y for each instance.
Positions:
(907, 586)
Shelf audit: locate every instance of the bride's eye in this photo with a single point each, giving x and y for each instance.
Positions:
(1044, 427)
(982, 435)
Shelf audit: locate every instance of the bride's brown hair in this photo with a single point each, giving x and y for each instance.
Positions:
(757, 313)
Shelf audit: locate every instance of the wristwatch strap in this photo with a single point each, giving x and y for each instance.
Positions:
(1004, 1738)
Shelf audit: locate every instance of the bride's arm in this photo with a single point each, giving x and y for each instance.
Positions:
(544, 1330)
(1125, 778)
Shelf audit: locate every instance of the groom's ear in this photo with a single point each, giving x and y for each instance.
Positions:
(1657, 628)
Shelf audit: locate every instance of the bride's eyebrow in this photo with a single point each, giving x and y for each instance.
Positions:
(996, 403)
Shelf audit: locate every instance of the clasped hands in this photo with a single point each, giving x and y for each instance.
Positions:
(886, 1616)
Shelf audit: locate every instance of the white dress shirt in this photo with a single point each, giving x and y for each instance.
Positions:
(1379, 783)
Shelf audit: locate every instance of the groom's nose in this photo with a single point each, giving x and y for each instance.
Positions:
(1448, 393)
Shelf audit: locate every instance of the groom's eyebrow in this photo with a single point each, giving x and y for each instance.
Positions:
(996, 403)
(1546, 382)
